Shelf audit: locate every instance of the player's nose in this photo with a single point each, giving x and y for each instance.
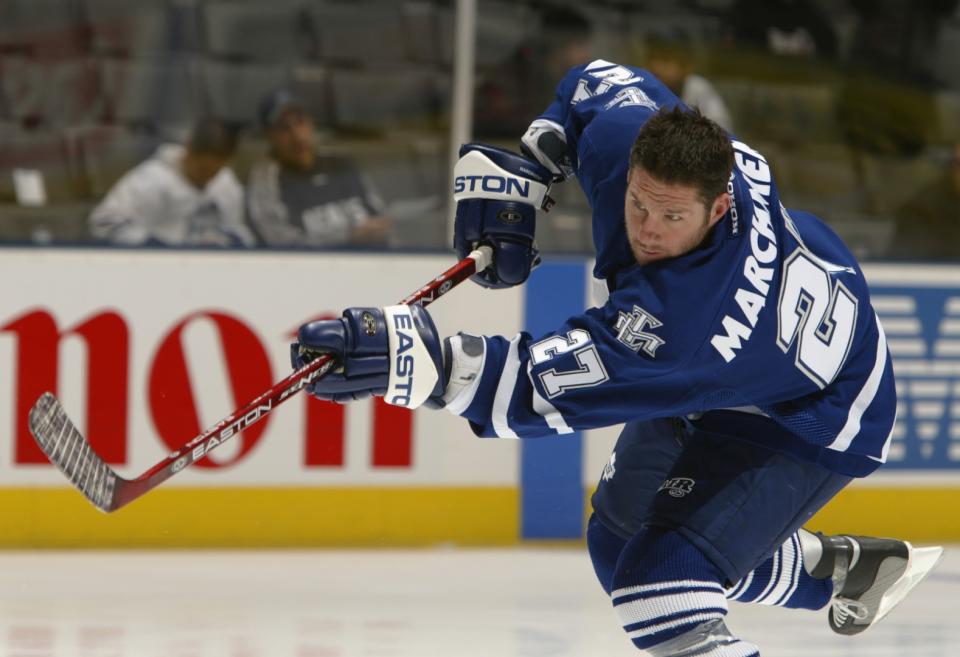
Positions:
(649, 227)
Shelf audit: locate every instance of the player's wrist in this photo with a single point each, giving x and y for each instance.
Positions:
(463, 367)
(546, 142)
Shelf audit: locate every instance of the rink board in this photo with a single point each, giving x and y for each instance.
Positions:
(157, 345)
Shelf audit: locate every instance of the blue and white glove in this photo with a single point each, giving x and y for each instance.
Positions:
(392, 352)
(498, 194)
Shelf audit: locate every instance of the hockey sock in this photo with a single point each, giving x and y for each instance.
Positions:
(669, 599)
(786, 580)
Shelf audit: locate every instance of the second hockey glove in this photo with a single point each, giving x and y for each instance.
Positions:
(498, 194)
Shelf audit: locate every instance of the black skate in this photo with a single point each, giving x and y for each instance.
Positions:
(871, 576)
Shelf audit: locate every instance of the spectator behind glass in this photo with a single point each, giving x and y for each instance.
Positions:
(671, 61)
(298, 197)
(928, 224)
(783, 27)
(525, 82)
(181, 196)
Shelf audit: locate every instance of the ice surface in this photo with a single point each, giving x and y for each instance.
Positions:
(525, 602)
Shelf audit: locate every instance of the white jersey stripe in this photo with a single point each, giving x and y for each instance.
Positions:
(867, 393)
(501, 401)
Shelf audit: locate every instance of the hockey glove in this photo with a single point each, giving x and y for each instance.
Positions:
(391, 352)
(498, 194)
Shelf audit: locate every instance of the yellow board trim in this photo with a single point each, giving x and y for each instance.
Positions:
(923, 515)
(262, 517)
(382, 517)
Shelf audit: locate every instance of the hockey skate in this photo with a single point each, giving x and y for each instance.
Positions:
(871, 576)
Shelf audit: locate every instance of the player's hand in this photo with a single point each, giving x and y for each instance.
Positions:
(498, 194)
(391, 352)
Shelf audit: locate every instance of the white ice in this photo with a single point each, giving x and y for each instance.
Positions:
(527, 602)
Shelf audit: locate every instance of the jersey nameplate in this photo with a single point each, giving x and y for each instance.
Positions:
(758, 267)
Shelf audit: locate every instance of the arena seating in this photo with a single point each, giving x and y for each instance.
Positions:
(89, 87)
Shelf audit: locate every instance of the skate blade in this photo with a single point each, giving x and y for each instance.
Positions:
(919, 565)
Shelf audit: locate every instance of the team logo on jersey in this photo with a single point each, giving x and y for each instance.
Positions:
(610, 468)
(678, 486)
(631, 331)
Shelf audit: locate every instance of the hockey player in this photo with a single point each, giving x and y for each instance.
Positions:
(738, 345)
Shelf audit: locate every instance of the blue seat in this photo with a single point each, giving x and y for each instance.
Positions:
(48, 28)
(361, 31)
(277, 31)
(51, 93)
(140, 29)
(151, 93)
(382, 98)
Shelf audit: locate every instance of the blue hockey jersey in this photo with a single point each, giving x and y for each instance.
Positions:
(770, 316)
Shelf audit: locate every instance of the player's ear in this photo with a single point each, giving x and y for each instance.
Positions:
(720, 206)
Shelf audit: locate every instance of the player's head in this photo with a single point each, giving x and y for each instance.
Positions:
(212, 143)
(680, 164)
(289, 129)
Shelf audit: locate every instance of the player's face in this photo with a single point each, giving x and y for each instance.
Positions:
(666, 220)
(293, 139)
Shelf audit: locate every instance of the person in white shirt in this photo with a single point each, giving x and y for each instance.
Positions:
(184, 195)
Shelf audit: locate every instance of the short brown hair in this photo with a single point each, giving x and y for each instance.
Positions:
(680, 146)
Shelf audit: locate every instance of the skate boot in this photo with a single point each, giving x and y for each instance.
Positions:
(871, 576)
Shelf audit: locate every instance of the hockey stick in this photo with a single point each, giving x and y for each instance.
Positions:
(66, 447)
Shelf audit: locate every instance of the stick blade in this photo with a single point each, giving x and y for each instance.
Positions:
(67, 449)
